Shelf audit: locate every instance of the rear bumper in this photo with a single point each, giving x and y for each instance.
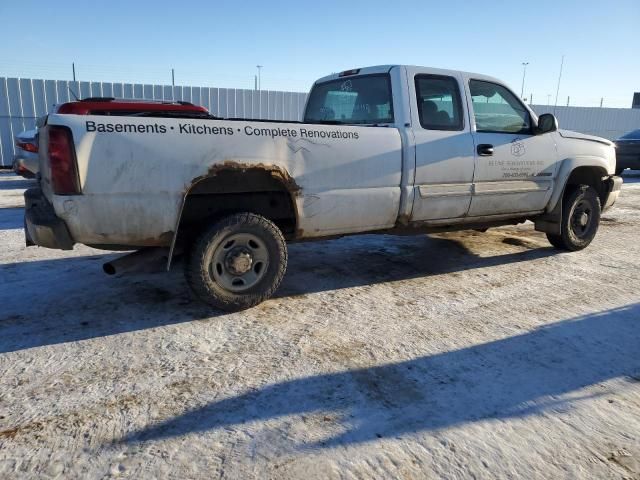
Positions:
(614, 185)
(28, 161)
(19, 168)
(41, 225)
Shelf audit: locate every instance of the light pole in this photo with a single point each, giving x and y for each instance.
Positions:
(259, 67)
(558, 89)
(524, 74)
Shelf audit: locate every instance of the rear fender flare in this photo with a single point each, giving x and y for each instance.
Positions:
(275, 171)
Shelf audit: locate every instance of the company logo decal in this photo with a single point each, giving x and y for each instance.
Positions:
(517, 148)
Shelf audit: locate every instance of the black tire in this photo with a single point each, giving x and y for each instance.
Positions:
(207, 268)
(580, 219)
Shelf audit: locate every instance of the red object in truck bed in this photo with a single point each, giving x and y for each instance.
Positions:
(106, 106)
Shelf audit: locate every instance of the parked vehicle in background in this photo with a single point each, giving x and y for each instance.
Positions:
(25, 160)
(628, 151)
(388, 149)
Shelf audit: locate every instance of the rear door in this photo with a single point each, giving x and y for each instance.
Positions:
(443, 145)
(514, 168)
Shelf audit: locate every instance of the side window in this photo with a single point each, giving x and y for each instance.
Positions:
(439, 103)
(497, 110)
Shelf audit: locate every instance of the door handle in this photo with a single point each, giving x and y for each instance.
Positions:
(485, 150)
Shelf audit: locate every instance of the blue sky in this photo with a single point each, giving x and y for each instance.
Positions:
(219, 43)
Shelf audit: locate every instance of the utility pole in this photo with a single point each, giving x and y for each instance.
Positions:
(524, 74)
(259, 67)
(601, 101)
(73, 67)
(173, 84)
(548, 99)
(558, 89)
(255, 82)
(568, 97)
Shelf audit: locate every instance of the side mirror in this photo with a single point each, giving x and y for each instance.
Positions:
(547, 122)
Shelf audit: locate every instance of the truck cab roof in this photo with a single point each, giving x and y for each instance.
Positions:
(380, 69)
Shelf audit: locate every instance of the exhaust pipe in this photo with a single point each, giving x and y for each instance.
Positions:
(142, 260)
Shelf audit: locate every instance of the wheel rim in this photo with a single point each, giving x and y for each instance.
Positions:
(239, 262)
(581, 218)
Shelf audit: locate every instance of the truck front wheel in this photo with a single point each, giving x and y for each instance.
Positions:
(580, 219)
(238, 262)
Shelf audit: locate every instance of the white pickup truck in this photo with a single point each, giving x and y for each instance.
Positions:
(385, 149)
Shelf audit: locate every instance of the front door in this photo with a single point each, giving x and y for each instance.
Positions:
(514, 168)
(444, 149)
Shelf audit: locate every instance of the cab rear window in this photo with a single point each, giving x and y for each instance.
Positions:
(353, 100)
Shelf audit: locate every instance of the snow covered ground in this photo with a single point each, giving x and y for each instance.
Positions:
(465, 355)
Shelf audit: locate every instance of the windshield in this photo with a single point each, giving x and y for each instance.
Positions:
(359, 100)
(634, 135)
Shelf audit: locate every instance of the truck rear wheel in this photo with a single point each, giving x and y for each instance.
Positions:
(238, 262)
(580, 219)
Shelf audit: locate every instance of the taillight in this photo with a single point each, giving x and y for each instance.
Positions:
(62, 159)
(29, 147)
